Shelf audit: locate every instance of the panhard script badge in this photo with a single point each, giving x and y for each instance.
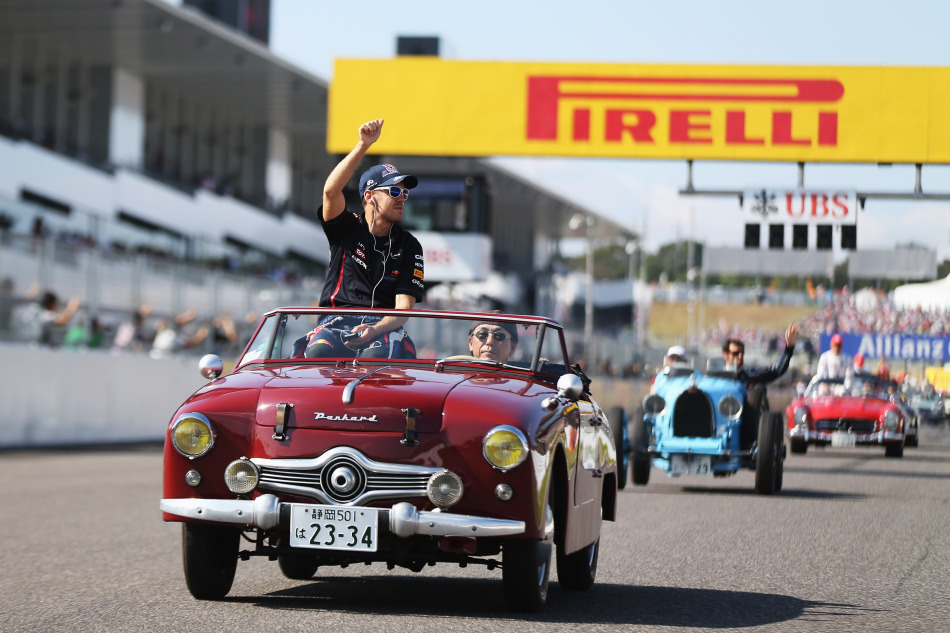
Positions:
(320, 415)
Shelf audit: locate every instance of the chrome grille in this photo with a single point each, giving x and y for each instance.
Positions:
(343, 476)
(846, 424)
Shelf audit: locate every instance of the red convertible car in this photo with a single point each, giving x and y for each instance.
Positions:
(470, 439)
(847, 412)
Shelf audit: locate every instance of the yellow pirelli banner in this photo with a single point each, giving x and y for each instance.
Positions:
(762, 113)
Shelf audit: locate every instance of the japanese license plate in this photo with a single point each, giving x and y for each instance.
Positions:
(842, 439)
(334, 527)
(690, 464)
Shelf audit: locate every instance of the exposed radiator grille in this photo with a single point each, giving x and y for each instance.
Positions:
(693, 416)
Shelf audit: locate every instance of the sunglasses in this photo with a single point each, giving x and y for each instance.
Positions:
(733, 352)
(394, 192)
(482, 335)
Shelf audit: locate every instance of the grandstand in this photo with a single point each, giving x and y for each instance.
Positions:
(154, 154)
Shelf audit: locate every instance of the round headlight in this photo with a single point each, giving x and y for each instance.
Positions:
(800, 415)
(730, 407)
(241, 476)
(444, 489)
(192, 435)
(505, 447)
(891, 419)
(653, 404)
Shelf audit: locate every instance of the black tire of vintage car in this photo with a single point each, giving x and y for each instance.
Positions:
(525, 573)
(298, 567)
(618, 426)
(639, 457)
(799, 447)
(210, 556)
(578, 571)
(779, 421)
(768, 457)
(894, 449)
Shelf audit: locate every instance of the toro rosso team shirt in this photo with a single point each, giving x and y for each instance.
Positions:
(367, 271)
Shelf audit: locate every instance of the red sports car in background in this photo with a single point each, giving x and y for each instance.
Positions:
(425, 455)
(848, 412)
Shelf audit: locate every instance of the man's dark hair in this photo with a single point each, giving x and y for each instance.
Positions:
(733, 341)
(511, 328)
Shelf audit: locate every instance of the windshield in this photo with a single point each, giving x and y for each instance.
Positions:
(485, 338)
(860, 386)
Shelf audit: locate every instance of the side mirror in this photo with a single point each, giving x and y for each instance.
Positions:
(570, 386)
(210, 366)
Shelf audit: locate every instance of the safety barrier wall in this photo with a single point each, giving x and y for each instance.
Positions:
(75, 398)
(56, 397)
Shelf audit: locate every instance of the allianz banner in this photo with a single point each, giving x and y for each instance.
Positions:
(909, 347)
(442, 107)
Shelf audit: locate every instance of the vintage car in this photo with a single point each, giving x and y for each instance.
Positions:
(429, 456)
(706, 423)
(846, 412)
(930, 407)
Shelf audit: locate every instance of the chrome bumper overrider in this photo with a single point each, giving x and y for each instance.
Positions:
(404, 519)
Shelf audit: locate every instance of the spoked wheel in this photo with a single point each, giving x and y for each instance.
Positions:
(210, 555)
(577, 571)
(639, 458)
(526, 569)
(618, 426)
(767, 456)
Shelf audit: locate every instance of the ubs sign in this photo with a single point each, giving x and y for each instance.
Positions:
(799, 206)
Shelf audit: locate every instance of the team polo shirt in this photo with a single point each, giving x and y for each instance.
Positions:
(368, 271)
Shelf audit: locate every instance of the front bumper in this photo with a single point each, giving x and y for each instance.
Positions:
(824, 437)
(405, 520)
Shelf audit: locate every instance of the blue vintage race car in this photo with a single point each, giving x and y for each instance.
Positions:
(697, 423)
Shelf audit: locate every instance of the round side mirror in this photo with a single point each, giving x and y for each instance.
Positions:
(210, 366)
(570, 386)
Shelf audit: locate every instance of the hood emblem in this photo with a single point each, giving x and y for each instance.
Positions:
(320, 415)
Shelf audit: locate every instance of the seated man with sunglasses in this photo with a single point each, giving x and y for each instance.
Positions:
(493, 341)
(374, 262)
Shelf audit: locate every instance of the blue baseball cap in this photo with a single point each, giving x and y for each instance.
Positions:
(384, 176)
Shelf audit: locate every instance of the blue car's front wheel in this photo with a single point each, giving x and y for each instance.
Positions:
(639, 446)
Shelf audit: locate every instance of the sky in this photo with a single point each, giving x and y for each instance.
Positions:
(639, 194)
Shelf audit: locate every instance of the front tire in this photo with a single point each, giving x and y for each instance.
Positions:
(525, 574)
(577, 571)
(639, 458)
(618, 426)
(894, 450)
(209, 555)
(767, 456)
(799, 447)
(300, 567)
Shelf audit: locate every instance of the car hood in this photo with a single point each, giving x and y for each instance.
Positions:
(380, 398)
(847, 407)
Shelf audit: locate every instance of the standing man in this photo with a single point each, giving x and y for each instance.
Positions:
(374, 262)
(832, 364)
(733, 353)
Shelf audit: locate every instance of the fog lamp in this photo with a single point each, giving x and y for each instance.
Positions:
(505, 447)
(192, 435)
(503, 492)
(241, 476)
(444, 489)
(192, 478)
